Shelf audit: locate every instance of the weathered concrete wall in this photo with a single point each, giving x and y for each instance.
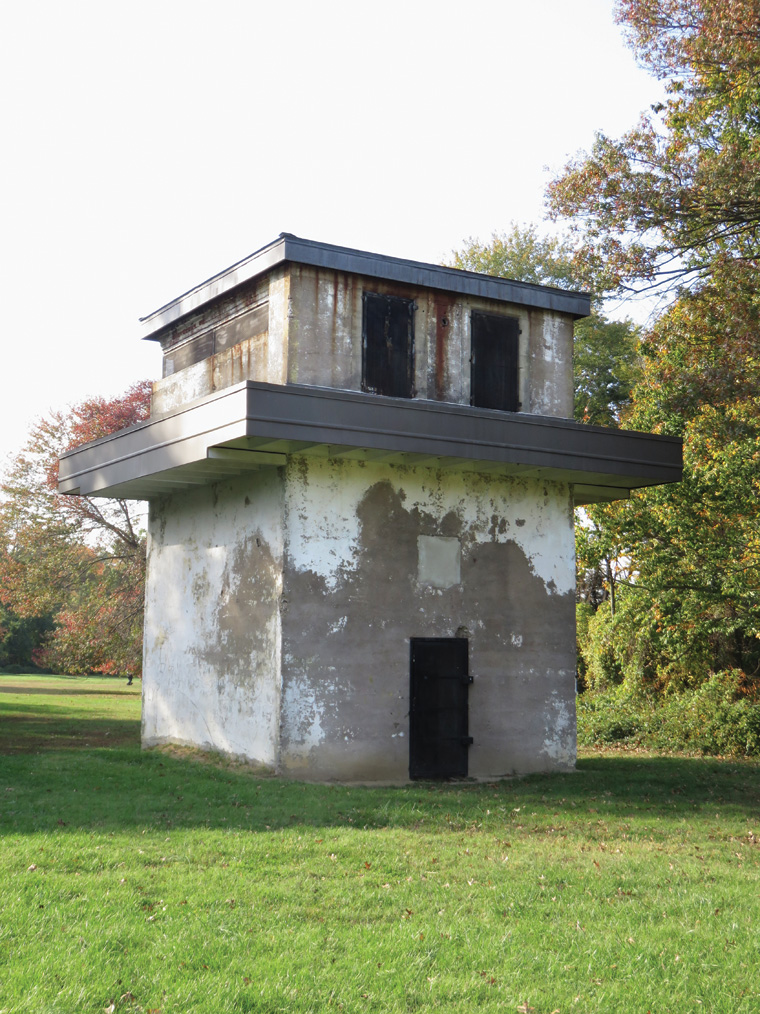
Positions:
(325, 347)
(550, 350)
(359, 583)
(260, 356)
(280, 609)
(314, 338)
(212, 623)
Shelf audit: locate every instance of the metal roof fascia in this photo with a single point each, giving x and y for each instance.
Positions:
(426, 427)
(435, 276)
(303, 251)
(257, 263)
(328, 417)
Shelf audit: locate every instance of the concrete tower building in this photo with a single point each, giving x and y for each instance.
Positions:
(361, 473)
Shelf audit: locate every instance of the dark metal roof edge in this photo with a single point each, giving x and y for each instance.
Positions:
(361, 262)
(451, 408)
(432, 276)
(620, 448)
(226, 392)
(413, 404)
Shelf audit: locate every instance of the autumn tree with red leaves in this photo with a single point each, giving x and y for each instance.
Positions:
(76, 559)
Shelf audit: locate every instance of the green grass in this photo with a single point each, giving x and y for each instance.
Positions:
(157, 882)
(55, 712)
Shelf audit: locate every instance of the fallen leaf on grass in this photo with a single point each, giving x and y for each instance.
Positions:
(525, 1009)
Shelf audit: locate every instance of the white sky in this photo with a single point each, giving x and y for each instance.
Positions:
(149, 145)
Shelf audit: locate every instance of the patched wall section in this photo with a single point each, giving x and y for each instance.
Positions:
(212, 627)
(355, 590)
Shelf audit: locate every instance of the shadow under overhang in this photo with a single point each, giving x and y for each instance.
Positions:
(254, 425)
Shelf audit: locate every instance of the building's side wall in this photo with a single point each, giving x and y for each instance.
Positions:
(212, 620)
(325, 340)
(254, 342)
(358, 584)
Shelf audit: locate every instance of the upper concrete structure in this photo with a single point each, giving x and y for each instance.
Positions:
(283, 334)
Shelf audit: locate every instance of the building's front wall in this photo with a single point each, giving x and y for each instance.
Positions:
(325, 340)
(358, 584)
(211, 675)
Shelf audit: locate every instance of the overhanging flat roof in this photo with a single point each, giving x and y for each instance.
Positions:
(360, 262)
(255, 425)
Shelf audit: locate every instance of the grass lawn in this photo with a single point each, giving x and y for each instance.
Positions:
(151, 882)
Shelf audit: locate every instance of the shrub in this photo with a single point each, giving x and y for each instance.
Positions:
(596, 643)
(611, 716)
(718, 717)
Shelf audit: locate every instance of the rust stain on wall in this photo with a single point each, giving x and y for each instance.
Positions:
(443, 309)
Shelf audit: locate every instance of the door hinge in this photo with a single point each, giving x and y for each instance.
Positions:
(467, 740)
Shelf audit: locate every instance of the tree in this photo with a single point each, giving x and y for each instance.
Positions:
(76, 559)
(694, 594)
(677, 198)
(21, 636)
(674, 205)
(606, 359)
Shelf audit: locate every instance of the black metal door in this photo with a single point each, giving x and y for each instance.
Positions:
(388, 345)
(438, 724)
(494, 362)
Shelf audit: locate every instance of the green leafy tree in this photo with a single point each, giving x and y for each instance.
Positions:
(694, 592)
(79, 560)
(21, 637)
(674, 205)
(606, 359)
(678, 196)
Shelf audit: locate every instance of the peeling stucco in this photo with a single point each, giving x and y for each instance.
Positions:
(352, 611)
(212, 628)
(282, 605)
(323, 497)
